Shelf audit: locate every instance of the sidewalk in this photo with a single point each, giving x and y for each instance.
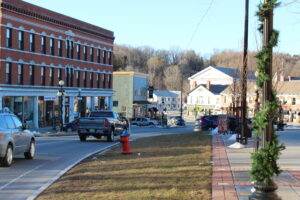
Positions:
(231, 167)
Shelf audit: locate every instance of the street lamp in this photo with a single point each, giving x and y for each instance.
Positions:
(79, 98)
(61, 93)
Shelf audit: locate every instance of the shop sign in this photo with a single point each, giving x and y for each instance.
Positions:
(49, 98)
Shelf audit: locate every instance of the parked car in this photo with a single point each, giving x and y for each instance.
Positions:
(101, 123)
(143, 121)
(176, 121)
(14, 139)
(206, 122)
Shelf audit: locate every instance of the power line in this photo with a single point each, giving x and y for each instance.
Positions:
(200, 21)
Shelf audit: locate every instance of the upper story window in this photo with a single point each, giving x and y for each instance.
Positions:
(8, 73)
(92, 54)
(85, 53)
(52, 50)
(59, 73)
(78, 78)
(109, 57)
(21, 40)
(104, 56)
(71, 77)
(98, 80)
(109, 79)
(8, 37)
(293, 101)
(31, 74)
(20, 74)
(98, 55)
(31, 42)
(78, 51)
(91, 79)
(43, 44)
(68, 48)
(72, 49)
(59, 47)
(43, 76)
(51, 76)
(84, 79)
(104, 81)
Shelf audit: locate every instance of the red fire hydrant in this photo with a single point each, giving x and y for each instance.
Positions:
(125, 142)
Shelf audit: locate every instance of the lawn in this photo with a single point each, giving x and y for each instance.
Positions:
(161, 167)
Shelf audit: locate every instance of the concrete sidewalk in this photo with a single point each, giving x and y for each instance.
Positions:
(231, 167)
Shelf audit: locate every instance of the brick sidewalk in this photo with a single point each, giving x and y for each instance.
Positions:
(231, 180)
(222, 179)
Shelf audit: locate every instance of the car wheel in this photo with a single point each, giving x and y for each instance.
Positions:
(30, 154)
(8, 158)
(111, 137)
(82, 138)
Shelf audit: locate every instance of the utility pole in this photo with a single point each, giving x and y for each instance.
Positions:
(181, 90)
(267, 87)
(244, 76)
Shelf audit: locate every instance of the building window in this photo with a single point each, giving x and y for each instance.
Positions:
(59, 73)
(8, 37)
(91, 79)
(98, 55)
(78, 51)
(104, 56)
(109, 58)
(52, 46)
(92, 54)
(21, 40)
(59, 46)
(43, 44)
(31, 42)
(84, 79)
(84, 53)
(20, 74)
(68, 48)
(71, 77)
(31, 74)
(109, 80)
(8, 73)
(72, 49)
(293, 101)
(78, 78)
(51, 76)
(43, 77)
(98, 80)
(104, 80)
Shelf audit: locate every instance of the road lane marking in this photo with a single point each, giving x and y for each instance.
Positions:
(19, 177)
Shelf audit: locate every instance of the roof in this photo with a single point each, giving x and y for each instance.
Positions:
(129, 73)
(215, 89)
(288, 87)
(230, 88)
(166, 93)
(233, 72)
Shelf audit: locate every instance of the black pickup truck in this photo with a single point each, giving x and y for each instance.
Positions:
(101, 123)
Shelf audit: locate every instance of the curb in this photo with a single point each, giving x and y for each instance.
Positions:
(45, 186)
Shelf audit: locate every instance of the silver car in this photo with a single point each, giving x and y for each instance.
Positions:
(14, 139)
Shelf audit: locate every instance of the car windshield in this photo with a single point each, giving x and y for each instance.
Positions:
(101, 114)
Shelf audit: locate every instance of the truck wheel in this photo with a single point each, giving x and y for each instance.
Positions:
(8, 158)
(30, 154)
(82, 138)
(111, 137)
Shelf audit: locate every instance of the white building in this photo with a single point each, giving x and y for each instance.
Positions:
(166, 99)
(207, 85)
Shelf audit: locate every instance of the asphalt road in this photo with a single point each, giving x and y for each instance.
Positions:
(56, 155)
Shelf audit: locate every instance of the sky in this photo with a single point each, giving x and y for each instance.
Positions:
(205, 26)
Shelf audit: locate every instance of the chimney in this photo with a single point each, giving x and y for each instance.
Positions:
(208, 85)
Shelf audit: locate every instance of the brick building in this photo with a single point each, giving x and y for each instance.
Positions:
(39, 47)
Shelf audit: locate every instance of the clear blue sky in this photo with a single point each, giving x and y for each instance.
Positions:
(165, 24)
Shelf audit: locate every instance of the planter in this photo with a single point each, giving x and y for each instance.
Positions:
(264, 192)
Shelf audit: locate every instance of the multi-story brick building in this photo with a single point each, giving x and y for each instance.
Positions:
(39, 47)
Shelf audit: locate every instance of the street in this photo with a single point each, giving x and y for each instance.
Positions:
(56, 155)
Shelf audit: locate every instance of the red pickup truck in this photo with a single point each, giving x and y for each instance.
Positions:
(101, 123)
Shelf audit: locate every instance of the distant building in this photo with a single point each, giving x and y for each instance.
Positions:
(131, 92)
(166, 99)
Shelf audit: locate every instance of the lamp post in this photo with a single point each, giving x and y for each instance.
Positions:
(79, 98)
(61, 94)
